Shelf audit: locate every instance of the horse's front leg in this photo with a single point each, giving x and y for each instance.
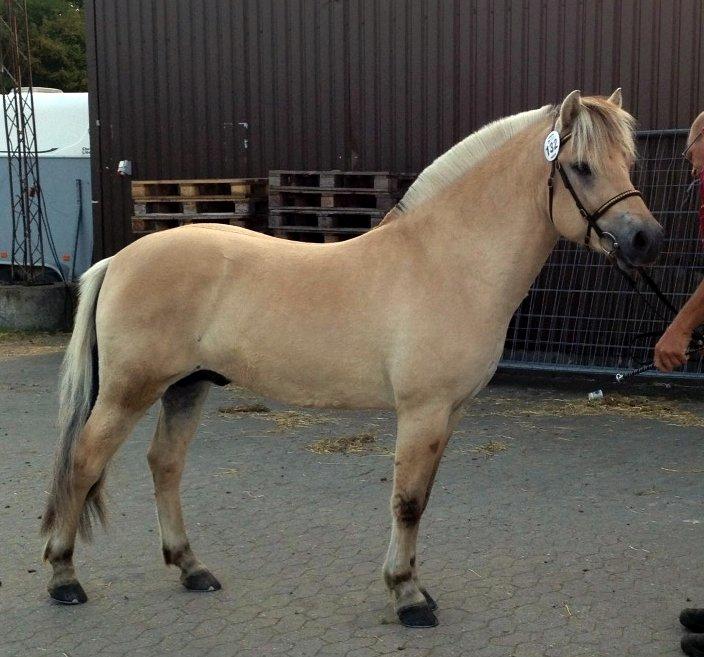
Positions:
(423, 433)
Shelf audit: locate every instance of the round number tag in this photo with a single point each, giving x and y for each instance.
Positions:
(552, 145)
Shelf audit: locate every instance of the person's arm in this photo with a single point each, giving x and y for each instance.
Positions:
(670, 349)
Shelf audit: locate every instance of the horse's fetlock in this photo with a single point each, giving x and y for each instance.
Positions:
(177, 556)
(394, 580)
(65, 556)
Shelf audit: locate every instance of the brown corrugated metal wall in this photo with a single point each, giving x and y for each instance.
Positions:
(225, 88)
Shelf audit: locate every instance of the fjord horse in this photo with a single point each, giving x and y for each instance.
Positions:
(410, 316)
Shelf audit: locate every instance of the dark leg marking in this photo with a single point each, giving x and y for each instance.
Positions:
(433, 447)
(407, 510)
(193, 577)
(175, 556)
(392, 581)
(66, 555)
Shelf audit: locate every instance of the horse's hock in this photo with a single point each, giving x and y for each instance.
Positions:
(36, 307)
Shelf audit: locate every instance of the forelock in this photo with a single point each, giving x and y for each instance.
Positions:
(599, 128)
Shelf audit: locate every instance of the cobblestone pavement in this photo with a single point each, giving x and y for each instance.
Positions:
(545, 536)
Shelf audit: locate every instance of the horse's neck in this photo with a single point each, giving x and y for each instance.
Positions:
(489, 229)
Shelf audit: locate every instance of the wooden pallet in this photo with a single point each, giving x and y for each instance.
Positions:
(199, 205)
(357, 221)
(376, 181)
(142, 224)
(312, 197)
(233, 188)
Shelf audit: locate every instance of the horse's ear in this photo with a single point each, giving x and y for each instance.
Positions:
(616, 97)
(570, 108)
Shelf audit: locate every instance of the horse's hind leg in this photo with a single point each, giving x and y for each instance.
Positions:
(178, 420)
(109, 424)
(422, 437)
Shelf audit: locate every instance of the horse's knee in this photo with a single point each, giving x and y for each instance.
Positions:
(407, 509)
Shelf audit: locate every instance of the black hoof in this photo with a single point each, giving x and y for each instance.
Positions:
(693, 645)
(68, 594)
(693, 619)
(417, 616)
(201, 580)
(429, 599)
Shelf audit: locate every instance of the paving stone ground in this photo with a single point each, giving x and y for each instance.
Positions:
(564, 537)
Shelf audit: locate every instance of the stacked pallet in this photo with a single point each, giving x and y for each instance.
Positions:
(162, 204)
(328, 206)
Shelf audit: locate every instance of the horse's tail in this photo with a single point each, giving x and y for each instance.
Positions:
(77, 394)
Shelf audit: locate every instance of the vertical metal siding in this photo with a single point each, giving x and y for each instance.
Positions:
(223, 88)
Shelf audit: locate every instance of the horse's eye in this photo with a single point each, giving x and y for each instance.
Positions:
(582, 168)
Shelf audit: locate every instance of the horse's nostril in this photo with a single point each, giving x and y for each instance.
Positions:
(641, 241)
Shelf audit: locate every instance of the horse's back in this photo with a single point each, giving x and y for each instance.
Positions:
(303, 322)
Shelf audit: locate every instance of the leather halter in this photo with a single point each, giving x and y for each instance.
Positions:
(590, 217)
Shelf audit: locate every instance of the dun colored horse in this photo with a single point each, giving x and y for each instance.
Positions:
(410, 316)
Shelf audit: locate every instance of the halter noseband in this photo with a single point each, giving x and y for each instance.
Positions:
(590, 217)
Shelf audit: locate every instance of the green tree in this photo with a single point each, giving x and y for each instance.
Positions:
(57, 43)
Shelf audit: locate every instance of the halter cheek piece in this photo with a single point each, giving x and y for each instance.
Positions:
(590, 217)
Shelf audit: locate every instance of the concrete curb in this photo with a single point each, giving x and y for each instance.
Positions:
(36, 307)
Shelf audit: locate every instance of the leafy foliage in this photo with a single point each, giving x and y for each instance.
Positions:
(57, 41)
(57, 44)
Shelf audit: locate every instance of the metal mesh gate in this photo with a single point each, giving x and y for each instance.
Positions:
(581, 315)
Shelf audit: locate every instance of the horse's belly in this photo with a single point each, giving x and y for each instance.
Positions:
(310, 384)
(307, 372)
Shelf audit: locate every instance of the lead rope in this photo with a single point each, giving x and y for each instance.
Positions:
(697, 333)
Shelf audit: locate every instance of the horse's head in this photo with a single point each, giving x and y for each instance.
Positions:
(592, 198)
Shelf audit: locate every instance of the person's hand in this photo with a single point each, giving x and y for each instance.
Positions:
(671, 347)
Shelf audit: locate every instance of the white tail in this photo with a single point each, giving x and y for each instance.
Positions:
(77, 393)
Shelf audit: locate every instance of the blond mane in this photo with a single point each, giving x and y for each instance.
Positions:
(598, 123)
(452, 164)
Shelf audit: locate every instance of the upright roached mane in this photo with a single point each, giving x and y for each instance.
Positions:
(597, 125)
(455, 162)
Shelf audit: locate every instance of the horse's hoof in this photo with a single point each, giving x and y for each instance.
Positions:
(693, 619)
(693, 645)
(201, 580)
(417, 616)
(68, 594)
(429, 599)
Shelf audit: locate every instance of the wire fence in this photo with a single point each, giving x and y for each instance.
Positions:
(581, 315)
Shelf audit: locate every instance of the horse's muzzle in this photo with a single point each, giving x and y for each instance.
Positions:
(639, 239)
